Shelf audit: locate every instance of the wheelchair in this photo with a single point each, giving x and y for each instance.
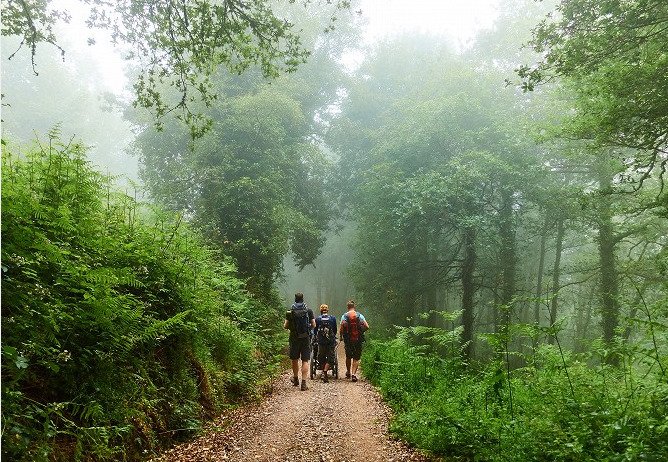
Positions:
(316, 366)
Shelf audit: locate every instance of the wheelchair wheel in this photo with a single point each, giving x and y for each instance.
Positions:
(335, 366)
(313, 364)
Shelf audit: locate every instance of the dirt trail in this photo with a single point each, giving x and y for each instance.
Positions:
(339, 421)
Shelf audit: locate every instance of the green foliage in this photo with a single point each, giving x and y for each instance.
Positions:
(438, 153)
(613, 55)
(180, 44)
(121, 329)
(254, 184)
(560, 406)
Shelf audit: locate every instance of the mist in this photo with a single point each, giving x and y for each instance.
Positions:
(484, 179)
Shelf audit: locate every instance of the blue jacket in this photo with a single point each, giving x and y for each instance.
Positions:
(322, 320)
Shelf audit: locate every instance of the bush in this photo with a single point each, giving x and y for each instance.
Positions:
(556, 409)
(121, 329)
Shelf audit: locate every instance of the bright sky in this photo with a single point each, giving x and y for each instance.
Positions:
(458, 20)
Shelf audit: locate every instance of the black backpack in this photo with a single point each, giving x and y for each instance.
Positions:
(325, 334)
(300, 321)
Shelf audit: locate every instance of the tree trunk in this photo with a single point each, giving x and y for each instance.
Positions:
(468, 291)
(508, 257)
(636, 303)
(609, 283)
(556, 274)
(584, 312)
(541, 268)
(609, 288)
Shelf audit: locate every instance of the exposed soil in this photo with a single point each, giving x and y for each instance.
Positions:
(338, 421)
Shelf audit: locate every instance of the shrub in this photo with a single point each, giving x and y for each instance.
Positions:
(122, 330)
(560, 408)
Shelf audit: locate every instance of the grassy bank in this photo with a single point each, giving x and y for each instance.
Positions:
(121, 330)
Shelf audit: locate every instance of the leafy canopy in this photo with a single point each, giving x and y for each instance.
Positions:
(254, 183)
(614, 54)
(179, 43)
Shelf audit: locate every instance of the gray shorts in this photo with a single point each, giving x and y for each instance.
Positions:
(300, 347)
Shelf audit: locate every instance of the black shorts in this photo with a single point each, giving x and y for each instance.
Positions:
(300, 347)
(353, 350)
(325, 355)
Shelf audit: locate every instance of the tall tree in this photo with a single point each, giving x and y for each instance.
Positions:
(257, 181)
(254, 182)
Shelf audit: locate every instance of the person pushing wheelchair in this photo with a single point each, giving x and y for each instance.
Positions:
(325, 337)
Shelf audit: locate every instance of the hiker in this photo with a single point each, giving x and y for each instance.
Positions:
(325, 337)
(299, 320)
(353, 326)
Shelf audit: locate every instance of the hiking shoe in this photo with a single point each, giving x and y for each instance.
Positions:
(354, 378)
(304, 387)
(295, 381)
(347, 374)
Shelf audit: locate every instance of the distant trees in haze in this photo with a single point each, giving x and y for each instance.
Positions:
(469, 198)
(71, 95)
(510, 246)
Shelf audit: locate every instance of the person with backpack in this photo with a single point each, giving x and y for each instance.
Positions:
(325, 336)
(299, 320)
(353, 326)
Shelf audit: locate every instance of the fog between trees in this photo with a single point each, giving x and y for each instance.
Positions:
(496, 210)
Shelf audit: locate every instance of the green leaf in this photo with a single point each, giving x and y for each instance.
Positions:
(21, 362)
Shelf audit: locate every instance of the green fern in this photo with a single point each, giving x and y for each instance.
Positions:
(107, 313)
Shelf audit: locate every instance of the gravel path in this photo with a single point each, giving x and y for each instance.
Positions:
(339, 421)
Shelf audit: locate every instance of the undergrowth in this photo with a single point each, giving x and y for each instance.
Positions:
(121, 330)
(559, 407)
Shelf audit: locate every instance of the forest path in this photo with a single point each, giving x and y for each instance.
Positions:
(339, 421)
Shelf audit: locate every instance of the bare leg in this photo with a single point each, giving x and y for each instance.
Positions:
(356, 363)
(295, 368)
(304, 370)
(347, 364)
